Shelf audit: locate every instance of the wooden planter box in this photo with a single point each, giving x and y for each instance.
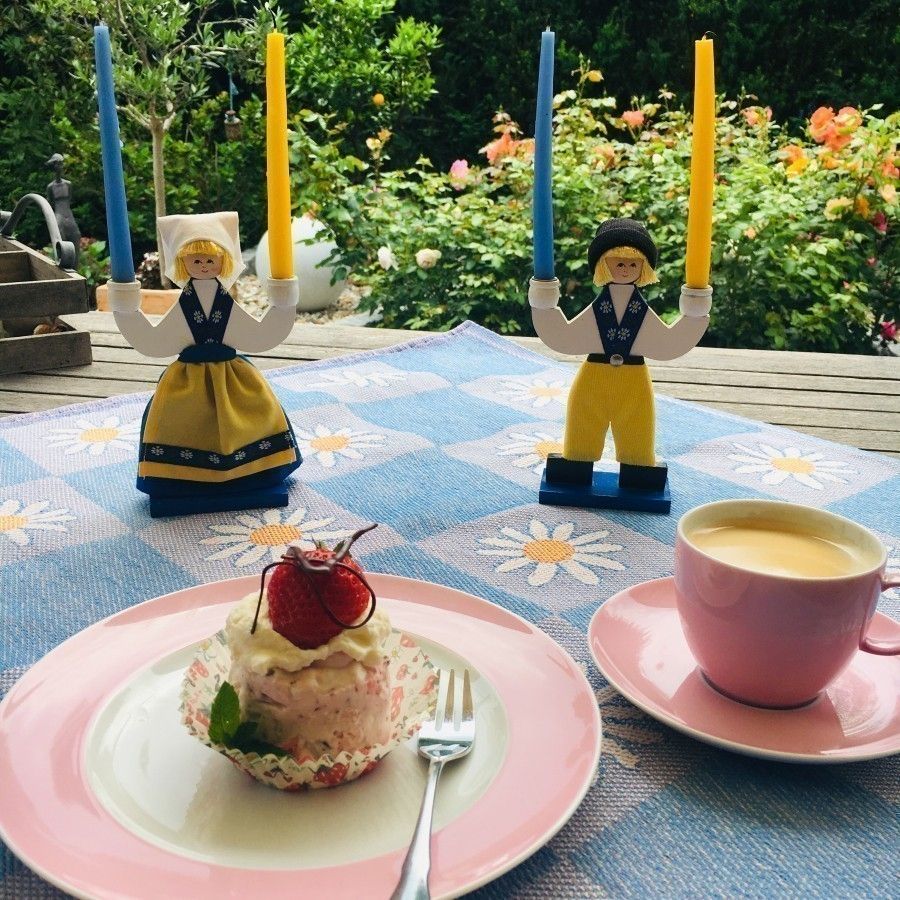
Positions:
(34, 289)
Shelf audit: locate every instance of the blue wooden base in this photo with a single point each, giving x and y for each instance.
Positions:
(269, 497)
(604, 493)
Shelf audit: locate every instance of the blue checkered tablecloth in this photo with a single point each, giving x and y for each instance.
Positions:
(441, 440)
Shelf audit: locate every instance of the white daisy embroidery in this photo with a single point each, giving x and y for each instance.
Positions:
(198, 316)
(623, 334)
(156, 450)
(95, 438)
(17, 519)
(240, 454)
(215, 459)
(217, 316)
(536, 393)
(328, 446)
(550, 551)
(250, 538)
(264, 445)
(531, 450)
(358, 379)
(611, 334)
(635, 306)
(606, 307)
(809, 469)
(186, 454)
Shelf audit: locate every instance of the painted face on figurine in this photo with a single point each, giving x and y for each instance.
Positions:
(202, 266)
(624, 270)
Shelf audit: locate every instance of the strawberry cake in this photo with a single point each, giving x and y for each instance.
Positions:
(309, 663)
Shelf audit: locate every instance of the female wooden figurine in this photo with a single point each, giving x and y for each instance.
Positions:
(612, 387)
(214, 436)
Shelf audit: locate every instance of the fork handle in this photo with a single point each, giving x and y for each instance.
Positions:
(413, 883)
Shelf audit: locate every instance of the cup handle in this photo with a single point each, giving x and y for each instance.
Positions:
(883, 648)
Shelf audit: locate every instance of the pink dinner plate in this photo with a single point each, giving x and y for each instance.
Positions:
(637, 643)
(106, 795)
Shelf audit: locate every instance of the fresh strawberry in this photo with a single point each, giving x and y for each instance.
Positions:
(296, 598)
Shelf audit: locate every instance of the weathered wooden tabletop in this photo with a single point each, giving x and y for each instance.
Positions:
(849, 399)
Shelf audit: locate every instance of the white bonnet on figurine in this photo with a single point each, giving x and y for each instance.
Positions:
(220, 227)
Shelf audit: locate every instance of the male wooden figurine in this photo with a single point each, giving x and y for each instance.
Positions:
(612, 387)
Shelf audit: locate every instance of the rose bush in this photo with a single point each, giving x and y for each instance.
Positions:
(803, 256)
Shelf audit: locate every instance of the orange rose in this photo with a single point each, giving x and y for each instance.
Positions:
(633, 118)
(820, 122)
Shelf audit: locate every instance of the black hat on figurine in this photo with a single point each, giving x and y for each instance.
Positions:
(622, 233)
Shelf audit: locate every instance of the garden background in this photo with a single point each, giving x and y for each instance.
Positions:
(410, 127)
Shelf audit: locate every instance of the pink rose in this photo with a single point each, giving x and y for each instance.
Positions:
(889, 331)
(879, 222)
(633, 118)
(459, 174)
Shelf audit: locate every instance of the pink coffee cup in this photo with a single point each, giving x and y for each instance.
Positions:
(777, 640)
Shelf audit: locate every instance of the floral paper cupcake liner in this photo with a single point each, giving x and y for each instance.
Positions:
(413, 696)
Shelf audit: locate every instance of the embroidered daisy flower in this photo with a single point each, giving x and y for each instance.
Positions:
(328, 446)
(358, 379)
(264, 445)
(198, 316)
(611, 334)
(634, 306)
(623, 334)
(626, 730)
(217, 316)
(809, 469)
(96, 438)
(606, 307)
(550, 551)
(240, 454)
(536, 393)
(156, 450)
(531, 450)
(215, 459)
(250, 538)
(186, 454)
(17, 519)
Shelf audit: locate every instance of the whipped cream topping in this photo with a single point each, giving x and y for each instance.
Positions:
(266, 649)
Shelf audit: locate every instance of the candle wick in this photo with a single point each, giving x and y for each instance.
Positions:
(708, 35)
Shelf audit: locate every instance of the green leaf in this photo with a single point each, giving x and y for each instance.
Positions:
(225, 715)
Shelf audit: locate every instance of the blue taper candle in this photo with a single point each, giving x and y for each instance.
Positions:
(118, 232)
(542, 208)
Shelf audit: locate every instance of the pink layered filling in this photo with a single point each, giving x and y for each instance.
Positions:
(334, 704)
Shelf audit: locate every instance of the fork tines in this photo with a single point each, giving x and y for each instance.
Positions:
(450, 710)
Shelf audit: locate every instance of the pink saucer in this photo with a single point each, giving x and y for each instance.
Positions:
(637, 643)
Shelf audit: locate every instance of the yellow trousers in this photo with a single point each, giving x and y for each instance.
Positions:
(605, 396)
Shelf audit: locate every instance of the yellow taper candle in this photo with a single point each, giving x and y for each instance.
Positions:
(699, 229)
(281, 256)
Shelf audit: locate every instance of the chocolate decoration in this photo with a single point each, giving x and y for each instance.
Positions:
(295, 557)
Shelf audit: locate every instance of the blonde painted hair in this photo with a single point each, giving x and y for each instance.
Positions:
(602, 275)
(207, 248)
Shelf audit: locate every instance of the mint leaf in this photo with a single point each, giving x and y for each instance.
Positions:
(246, 741)
(225, 715)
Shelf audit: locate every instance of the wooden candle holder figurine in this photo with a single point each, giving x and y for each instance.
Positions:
(214, 436)
(612, 388)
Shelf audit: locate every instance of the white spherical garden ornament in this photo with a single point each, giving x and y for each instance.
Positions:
(316, 290)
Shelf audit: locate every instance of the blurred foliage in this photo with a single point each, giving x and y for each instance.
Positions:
(804, 254)
(793, 56)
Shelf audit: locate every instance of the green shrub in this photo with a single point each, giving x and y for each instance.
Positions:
(802, 259)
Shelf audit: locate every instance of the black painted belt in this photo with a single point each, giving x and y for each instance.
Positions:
(616, 359)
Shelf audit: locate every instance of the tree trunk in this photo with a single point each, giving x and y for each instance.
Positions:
(158, 134)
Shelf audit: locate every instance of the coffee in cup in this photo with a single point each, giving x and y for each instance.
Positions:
(775, 598)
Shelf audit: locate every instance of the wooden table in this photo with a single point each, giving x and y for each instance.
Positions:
(849, 399)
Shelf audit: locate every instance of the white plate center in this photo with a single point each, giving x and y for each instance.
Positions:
(166, 787)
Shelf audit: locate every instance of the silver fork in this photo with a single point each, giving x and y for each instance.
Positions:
(450, 735)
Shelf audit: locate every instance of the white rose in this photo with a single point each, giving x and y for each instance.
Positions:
(386, 258)
(426, 258)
